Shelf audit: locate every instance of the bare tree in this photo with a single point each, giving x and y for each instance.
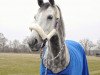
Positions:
(10, 46)
(98, 44)
(16, 45)
(3, 41)
(13, 46)
(87, 44)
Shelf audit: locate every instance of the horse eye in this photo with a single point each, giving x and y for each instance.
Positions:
(50, 17)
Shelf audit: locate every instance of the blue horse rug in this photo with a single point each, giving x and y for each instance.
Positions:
(78, 62)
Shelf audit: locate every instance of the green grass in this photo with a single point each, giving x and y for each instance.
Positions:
(94, 65)
(19, 64)
(28, 64)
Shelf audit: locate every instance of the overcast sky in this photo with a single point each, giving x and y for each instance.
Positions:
(81, 18)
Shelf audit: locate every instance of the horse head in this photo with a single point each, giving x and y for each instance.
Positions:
(47, 19)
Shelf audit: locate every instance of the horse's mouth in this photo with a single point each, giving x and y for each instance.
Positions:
(36, 47)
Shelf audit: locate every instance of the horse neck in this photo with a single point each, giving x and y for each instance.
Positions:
(56, 45)
(56, 48)
(57, 56)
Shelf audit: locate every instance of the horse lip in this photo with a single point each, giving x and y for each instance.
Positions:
(34, 49)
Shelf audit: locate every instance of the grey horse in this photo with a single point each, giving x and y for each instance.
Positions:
(60, 56)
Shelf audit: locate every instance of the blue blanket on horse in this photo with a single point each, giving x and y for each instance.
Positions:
(78, 63)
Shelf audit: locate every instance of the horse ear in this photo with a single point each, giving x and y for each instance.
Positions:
(52, 2)
(40, 2)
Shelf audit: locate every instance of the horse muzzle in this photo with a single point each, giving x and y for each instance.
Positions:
(34, 41)
(38, 37)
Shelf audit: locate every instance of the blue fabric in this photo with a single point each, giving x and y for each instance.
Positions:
(78, 63)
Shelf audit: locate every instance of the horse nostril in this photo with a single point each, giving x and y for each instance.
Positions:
(32, 43)
(35, 41)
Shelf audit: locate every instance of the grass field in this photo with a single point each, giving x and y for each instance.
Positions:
(28, 64)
